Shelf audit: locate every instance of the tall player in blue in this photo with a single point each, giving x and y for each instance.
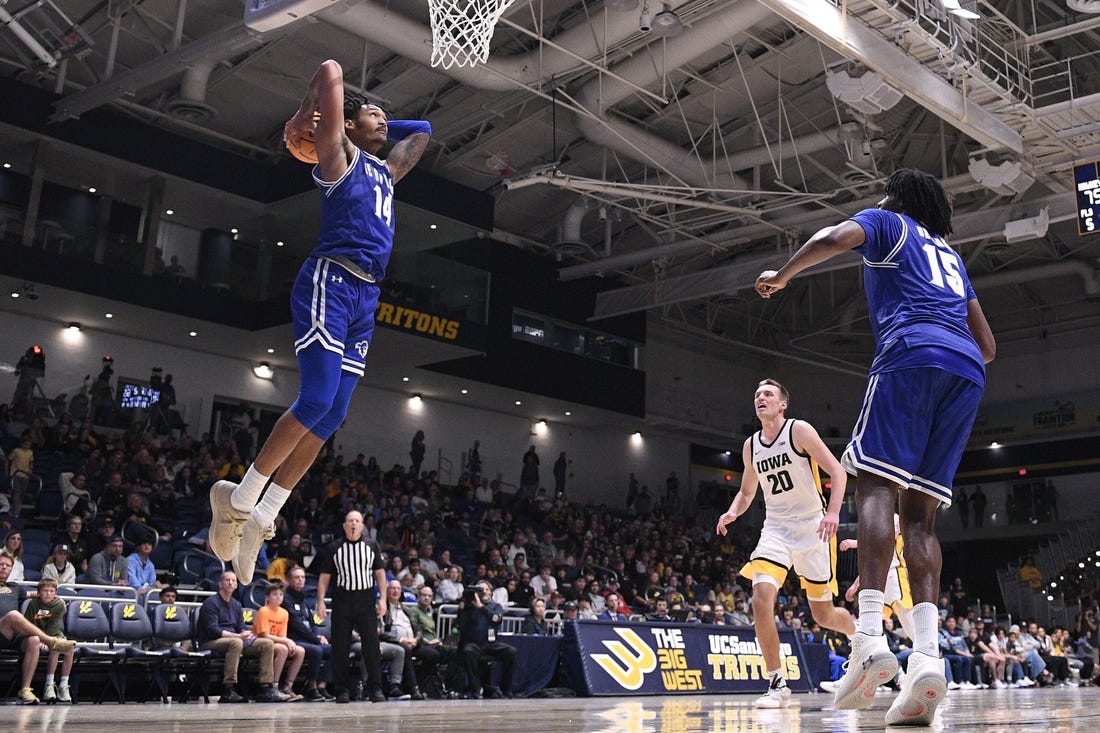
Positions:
(926, 382)
(332, 302)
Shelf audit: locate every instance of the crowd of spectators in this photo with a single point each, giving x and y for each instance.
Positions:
(536, 550)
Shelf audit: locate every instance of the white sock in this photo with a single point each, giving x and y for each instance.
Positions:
(64, 680)
(269, 506)
(776, 678)
(49, 680)
(870, 612)
(248, 491)
(926, 619)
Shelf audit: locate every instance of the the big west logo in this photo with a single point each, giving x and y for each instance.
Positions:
(128, 611)
(627, 663)
(85, 607)
(170, 612)
(773, 462)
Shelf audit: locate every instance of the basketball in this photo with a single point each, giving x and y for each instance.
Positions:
(302, 147)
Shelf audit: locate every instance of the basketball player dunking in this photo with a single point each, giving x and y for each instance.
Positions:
(332, 302)
(799, 530)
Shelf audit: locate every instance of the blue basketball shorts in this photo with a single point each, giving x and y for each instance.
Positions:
(913, 428)
(333, 310)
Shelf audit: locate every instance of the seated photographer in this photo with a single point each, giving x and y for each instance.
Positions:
(478, 622)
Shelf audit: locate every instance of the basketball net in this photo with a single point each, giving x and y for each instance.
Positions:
(462, 29)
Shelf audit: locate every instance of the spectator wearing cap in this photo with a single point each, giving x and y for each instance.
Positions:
(108, 566)
(570, 611)
(58, 568)
(105, 530)
(140, 573)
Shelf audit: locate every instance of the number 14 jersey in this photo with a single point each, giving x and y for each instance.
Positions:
(789, 479)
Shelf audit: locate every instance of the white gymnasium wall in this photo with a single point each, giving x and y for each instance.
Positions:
(380, 422)
(715, 383)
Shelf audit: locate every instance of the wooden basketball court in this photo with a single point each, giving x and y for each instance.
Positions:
(1053, 710)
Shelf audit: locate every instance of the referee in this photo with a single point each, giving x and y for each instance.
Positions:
(356, 563)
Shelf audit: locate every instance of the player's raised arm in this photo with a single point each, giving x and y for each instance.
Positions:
(322, 112)
(750, 482)
(826, 244)
(413, 136)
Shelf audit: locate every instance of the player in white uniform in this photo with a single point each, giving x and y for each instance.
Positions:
(799, 530)
(896, 596)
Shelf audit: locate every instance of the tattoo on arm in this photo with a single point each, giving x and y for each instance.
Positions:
(406, 154)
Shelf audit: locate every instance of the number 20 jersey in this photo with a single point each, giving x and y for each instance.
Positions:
(789, 479)
(357, 214)
(917, 293)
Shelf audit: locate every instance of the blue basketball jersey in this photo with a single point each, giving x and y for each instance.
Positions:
(917, 293)
(357, 214)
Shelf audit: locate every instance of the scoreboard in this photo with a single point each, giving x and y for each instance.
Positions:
(1086, 180)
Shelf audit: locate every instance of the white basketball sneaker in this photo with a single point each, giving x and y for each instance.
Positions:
(777, 696)
(226, 522)
(870, 664)
(924, 689)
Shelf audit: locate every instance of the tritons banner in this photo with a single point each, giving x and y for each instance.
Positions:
(606, 658)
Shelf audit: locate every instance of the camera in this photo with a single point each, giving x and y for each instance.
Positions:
(32, 363)
(469, 592)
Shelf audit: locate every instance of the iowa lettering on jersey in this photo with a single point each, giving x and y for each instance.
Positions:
(771, 463)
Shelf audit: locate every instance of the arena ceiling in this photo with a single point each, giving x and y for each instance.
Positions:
(677, 166)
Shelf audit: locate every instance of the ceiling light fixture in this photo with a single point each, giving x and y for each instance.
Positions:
(91, 189)
(404, 379)
(108, 315)
(956, 9)
(271, 351)
(169, 212)
(263, 370)
(518, 403)
(73, 326)
(7, 165)
(433, 226)
(666, 23)
(280, 243)
(568, 413)
(192, 334)
(465, 391)
(15, 293)
(416, 397)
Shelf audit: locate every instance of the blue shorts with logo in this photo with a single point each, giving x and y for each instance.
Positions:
(333, 309)
(913, 428)
(332, 312)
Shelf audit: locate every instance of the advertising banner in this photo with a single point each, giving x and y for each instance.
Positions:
(644, 658)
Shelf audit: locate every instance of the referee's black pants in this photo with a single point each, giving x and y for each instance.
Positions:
(355, 609)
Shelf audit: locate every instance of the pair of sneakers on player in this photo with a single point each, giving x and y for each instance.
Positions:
(871, 664)
(235, 535)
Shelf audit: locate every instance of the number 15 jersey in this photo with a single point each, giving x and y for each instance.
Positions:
(788, 478)
(917, 293)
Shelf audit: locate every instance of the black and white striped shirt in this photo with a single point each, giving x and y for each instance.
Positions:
(352, 563)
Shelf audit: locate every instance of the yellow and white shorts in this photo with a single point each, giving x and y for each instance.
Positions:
(792, 544)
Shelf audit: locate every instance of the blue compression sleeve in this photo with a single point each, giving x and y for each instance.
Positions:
(401, 129)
